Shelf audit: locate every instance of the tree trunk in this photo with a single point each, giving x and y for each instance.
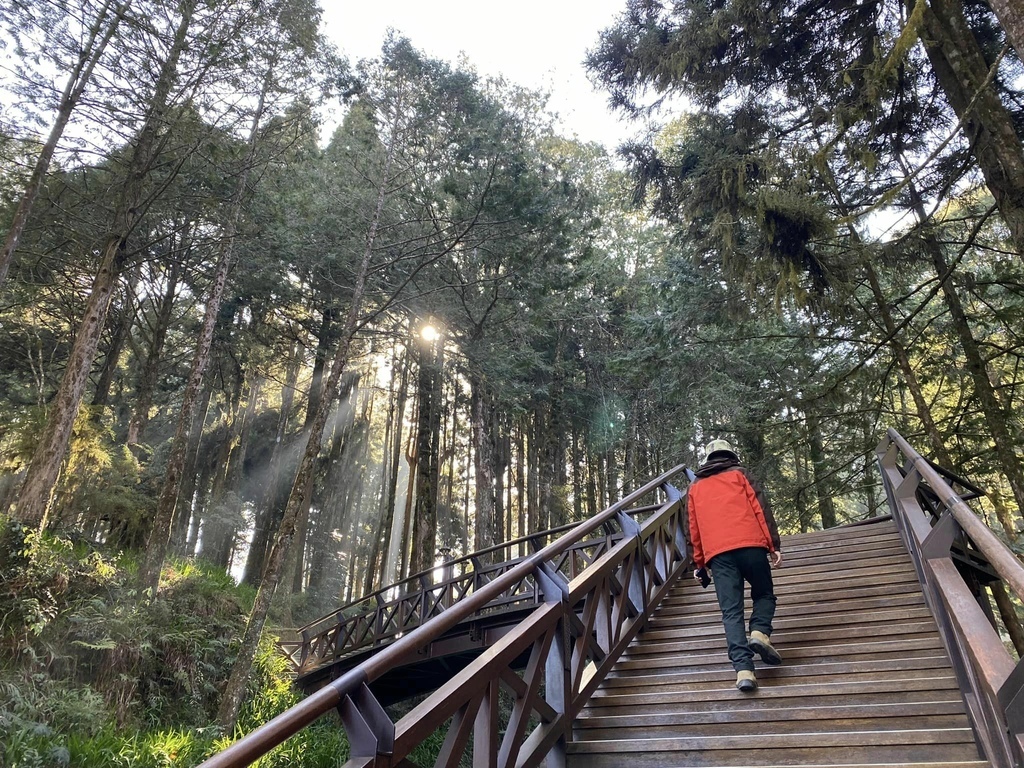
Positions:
(326, 468)
(235, 688)
(151, 365)
(483, 442)
(230, 497)
(41, 478)
(996, 418)
(377, 560)
(98, 37)
(324, 341)
(424, 530)
(522, 503)
(870, 487)
(149, 574)
(909, 376)
(534, 514)
(963, 75)
(119, 334)
(272, 504)
(183, 509)
(803, 512)
(1011, 17)
(822, 486)
(501, 461)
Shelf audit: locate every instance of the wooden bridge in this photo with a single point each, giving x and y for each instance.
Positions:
(594, 649)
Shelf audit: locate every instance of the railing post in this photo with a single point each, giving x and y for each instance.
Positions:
(425, 612)
(304, 650)
(378, 619)
(478, 573)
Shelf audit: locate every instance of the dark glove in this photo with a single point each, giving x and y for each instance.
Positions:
(702, 575)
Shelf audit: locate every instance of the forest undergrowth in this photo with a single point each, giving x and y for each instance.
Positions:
(95, 674)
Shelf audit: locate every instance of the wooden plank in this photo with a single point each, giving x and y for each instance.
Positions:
(865, 586)
(787, 741)
(889, 756)
(923, 631)
(818, 607)
(636, 732)
(698, 717)
(671, 642)
(787, 673)
(921, 688)
(878, 548)
(826, 547)
(848, 623)
(645, 657)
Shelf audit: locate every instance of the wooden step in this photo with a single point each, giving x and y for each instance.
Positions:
(852, 625)
(669, 642)
(865, 680)
(884, 690)
(710, 613)
(867, 585)
(640, 680)
(817, 577)
(649, 657)
(847, 717)
(879, 747)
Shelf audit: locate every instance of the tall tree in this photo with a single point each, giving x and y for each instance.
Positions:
(289, 35)
(79, 57)
(141, 158)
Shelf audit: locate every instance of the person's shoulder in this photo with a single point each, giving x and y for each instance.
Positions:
(717, 467)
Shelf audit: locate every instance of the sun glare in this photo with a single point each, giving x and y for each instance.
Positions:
(429, 333)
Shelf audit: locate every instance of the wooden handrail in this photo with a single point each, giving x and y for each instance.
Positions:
(350, 693)
(471, 559)
(999, 555)
(991, 680)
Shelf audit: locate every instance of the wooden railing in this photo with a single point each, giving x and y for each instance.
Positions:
(382, 616)
(570, 642)
(932, 518)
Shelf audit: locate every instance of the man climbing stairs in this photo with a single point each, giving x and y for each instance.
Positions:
(865, 681)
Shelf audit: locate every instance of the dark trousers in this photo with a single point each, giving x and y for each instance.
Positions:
(728, 572)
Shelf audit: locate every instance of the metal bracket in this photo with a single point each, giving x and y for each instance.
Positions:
(1011, 697)
(553, 585)
(671, 492)
(907, 489)
(630, 527)
(938, 543)
(369, 729)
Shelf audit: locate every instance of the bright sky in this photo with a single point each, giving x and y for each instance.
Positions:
(535, 43)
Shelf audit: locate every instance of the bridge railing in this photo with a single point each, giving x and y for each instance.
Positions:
(569, 643)
(932, 519)
(390, 612)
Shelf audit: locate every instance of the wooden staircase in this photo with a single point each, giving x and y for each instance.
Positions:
(865, 681)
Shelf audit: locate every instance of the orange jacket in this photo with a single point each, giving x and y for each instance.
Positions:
(725, 514)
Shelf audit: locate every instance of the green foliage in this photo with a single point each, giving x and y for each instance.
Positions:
(94, 675)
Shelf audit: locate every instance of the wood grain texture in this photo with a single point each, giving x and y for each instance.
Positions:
(865, 680)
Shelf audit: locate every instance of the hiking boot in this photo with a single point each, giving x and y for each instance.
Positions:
(745, 680)
(762, 646)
